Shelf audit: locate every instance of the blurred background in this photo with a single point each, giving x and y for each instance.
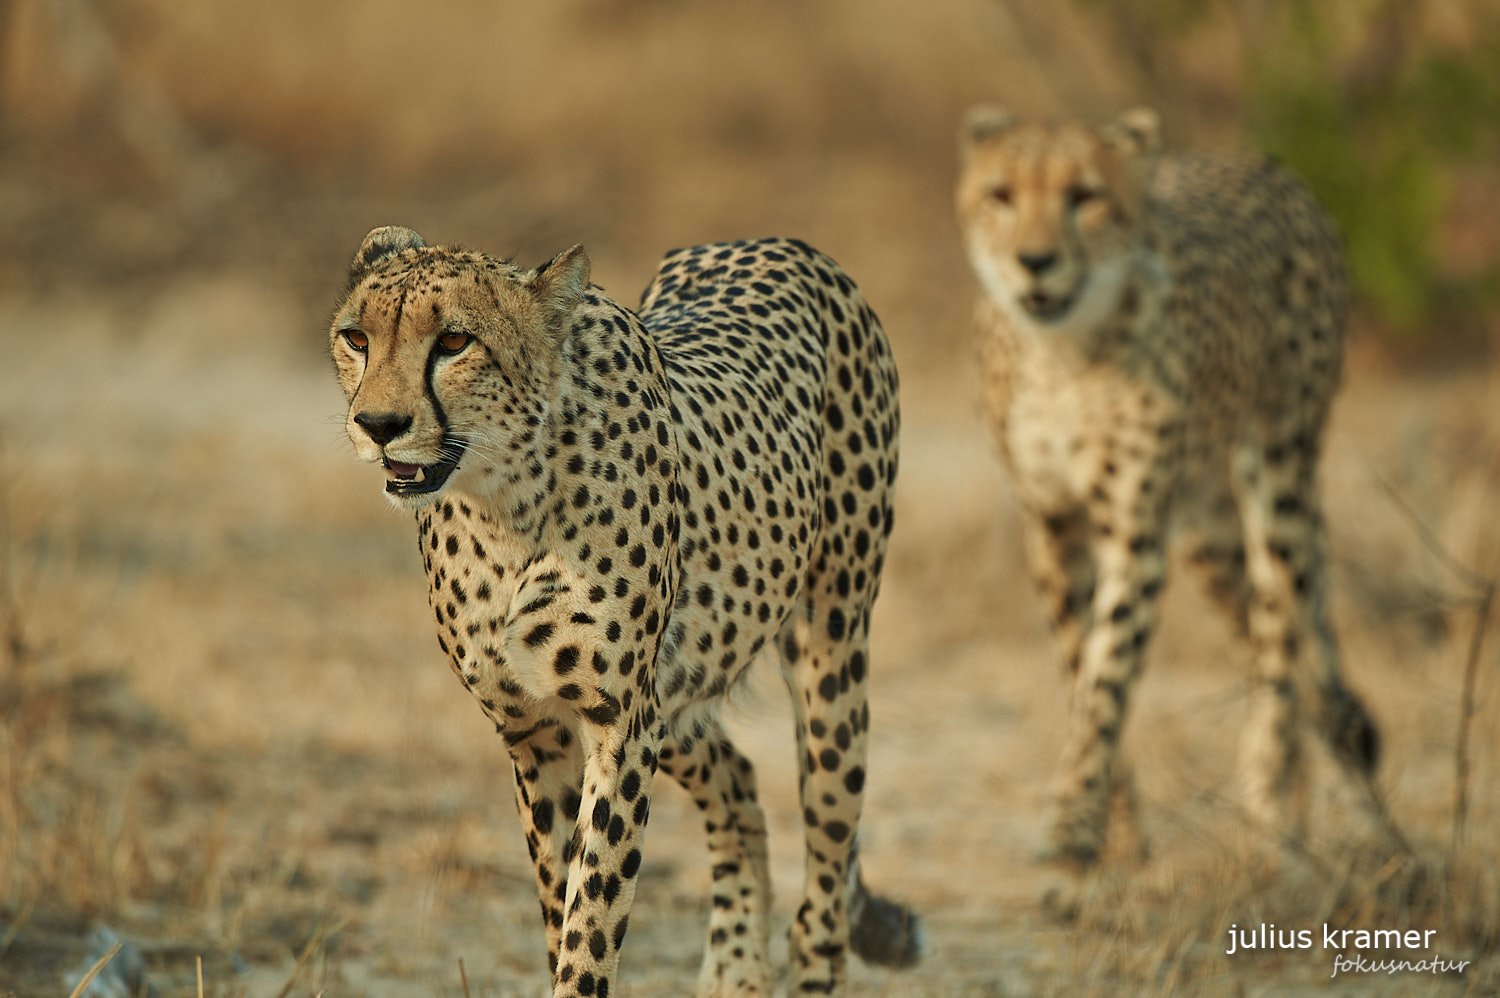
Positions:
(225, 729)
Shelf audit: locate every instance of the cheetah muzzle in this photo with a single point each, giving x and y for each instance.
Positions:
(416, 479)
(1049, 307)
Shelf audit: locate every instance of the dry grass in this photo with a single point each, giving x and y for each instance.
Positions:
(249, 745)
(225, 730)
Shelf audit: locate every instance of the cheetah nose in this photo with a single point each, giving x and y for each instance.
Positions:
(1037, 263)
(383, 427)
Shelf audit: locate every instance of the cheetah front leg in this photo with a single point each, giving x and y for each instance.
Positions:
(1057, 547)
(1128, 514)
(549, 771)
(1058, 550)
(587, 913)
(736, 961)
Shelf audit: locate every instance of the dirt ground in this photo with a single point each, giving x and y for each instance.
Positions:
(226, 730)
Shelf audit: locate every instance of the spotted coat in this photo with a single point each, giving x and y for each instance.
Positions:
(617, 513)
(1162, 339)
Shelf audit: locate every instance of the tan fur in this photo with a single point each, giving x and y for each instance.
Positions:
(1162, 338)
(635, 507)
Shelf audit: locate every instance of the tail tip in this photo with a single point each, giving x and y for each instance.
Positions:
(886, 934)
(1351, 731)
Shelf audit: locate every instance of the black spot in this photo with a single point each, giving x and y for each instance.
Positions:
(541, 815)
(836, 624)
(603, 714)
(540, 603)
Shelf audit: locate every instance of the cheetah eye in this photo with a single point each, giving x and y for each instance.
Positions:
(1000, 195)
(1079, 195)
(357, 340)
(453, 341)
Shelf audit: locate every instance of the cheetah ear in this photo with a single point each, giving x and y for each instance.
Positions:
(981, 123)
(1137, 132)
(560, 283)
(381, 243)
(1135, 138)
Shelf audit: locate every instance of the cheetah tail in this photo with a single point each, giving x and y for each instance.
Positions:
(1346, 725)
(883, 933)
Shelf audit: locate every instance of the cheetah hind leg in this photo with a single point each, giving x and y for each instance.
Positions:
(1285, 543)
(1217, 550)
(736, 959)
(825, 667)
(1214, 536)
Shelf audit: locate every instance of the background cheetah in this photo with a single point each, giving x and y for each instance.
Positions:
(616, 514)
(1162, 338)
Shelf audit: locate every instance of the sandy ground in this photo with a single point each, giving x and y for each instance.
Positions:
(231, 733)
(226, 730)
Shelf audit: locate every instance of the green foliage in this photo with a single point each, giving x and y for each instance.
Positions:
(1379, 143)
(1377, 116)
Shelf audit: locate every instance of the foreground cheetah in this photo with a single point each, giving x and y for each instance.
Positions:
(1162, 338)
(617, 512)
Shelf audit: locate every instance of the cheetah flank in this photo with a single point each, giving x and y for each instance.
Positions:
(1162, 337)
(617, 512)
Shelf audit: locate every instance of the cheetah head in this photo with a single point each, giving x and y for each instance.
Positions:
(448, 359)
(1050, 212)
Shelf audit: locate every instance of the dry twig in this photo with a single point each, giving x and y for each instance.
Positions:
(1482, 598)
(319, 938)
(98, 966)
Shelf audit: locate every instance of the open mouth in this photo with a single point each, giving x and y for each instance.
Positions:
(418, 479)
(1041, 305)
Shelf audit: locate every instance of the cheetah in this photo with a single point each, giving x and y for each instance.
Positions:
(1161, 339)
(617, 512)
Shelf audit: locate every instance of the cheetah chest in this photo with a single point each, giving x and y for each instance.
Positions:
(474, 580)
(1057, 435)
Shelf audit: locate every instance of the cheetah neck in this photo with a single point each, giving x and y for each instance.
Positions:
(600, 429)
